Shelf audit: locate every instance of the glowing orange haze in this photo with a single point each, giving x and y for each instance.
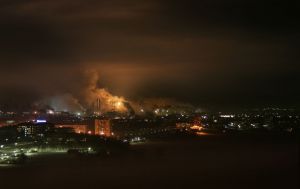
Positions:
(108, 102)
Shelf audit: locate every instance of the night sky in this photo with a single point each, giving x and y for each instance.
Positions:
(203, 52)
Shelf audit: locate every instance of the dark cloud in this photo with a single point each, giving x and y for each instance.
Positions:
(205, 52)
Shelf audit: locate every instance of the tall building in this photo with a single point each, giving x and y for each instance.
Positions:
(34, 129)
(103, 127)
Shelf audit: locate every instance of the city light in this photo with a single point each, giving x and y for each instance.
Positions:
(41, 121)
(51, 112)
(196, 127)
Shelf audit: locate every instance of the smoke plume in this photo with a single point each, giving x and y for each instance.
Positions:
(99, 99)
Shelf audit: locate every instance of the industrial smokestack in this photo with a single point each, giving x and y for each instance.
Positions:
(98, 106)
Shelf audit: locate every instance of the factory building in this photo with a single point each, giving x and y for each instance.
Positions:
(79, 129)
(93, 127)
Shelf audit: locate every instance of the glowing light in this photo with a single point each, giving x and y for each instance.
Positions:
(203, 134)
(118, 105)
(41, 121)
(50, 112)
(196, 127)
(227, 116)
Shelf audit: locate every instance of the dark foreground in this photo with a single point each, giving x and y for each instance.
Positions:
(203, 162)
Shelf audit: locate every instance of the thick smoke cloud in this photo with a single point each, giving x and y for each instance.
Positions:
(84, 96)
(64, 102)
(95, 96)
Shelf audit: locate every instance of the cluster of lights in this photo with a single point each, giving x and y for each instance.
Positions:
(196, 127)
(227, 116)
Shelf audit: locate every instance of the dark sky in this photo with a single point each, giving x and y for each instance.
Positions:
(205, 52)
